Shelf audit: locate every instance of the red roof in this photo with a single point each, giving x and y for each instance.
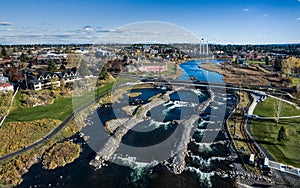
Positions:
(5, 85)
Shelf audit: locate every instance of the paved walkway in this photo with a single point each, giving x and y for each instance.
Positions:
(2, 119)
(52, 133)
(272, 164)
(284, 168)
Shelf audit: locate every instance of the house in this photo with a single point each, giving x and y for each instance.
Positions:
(43, 81)
(5, 87)
(153, 67)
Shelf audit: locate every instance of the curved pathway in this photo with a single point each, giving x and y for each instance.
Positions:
(52, 133)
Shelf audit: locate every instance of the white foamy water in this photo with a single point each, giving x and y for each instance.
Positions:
(219, 103)
(200, 132)
(168, 103)
(203, 146)
(201, 124)
(198, 92)
(205, 162)
(157, 124)
(175, 104)
(139, 168)
(203, 177)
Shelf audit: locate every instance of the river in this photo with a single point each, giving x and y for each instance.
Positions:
(136, 161)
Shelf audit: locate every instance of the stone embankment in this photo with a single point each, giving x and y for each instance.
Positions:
(176, 163)
(113, 142)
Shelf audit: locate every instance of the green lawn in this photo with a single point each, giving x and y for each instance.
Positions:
(266, 109)
(60, 109)
(171, 68)
(265, 132)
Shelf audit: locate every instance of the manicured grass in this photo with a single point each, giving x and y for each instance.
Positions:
(265, 132)
(266, 108)
(60, 109)
(171, 68)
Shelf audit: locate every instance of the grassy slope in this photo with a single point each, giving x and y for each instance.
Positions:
(60, 109)
(265, 132)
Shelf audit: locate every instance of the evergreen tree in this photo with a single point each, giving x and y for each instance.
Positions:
(103, 73)
(267, 60)
(282, 134)
(277, 64)
(4, 52)
(51, 66)
(62, 67)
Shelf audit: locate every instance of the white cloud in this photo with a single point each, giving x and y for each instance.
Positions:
(245, 10)
(298, 19)
(6, 23)
(88, 28)
(265, 15)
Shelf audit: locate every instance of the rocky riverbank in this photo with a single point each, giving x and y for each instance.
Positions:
(176, 163)
(107, 152)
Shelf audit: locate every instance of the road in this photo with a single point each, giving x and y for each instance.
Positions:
(284, 168)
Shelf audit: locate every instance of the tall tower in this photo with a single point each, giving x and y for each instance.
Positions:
(203, 49)
(200, 48)
(207, 48)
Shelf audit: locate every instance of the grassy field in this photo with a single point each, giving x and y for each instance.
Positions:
(265, 132)
(266, 109)
(16, 135)
(60, 109)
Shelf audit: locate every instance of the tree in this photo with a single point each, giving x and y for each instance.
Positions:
(4, 52)
(282, 134)
(62, 82)
(277, 109)
(103, 73)
(267, 61)
(23, 57)
(53, 82)
(51, 66)
(277, 64)
(62, 67)
(287, 65)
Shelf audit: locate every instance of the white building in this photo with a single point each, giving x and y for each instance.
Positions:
(5, 87)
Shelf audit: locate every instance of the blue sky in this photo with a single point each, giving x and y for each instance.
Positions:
(218, 21)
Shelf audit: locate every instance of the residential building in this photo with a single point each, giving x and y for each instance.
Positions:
(43, 81)
(5, 87)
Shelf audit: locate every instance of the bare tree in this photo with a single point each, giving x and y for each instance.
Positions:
(277, 109)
